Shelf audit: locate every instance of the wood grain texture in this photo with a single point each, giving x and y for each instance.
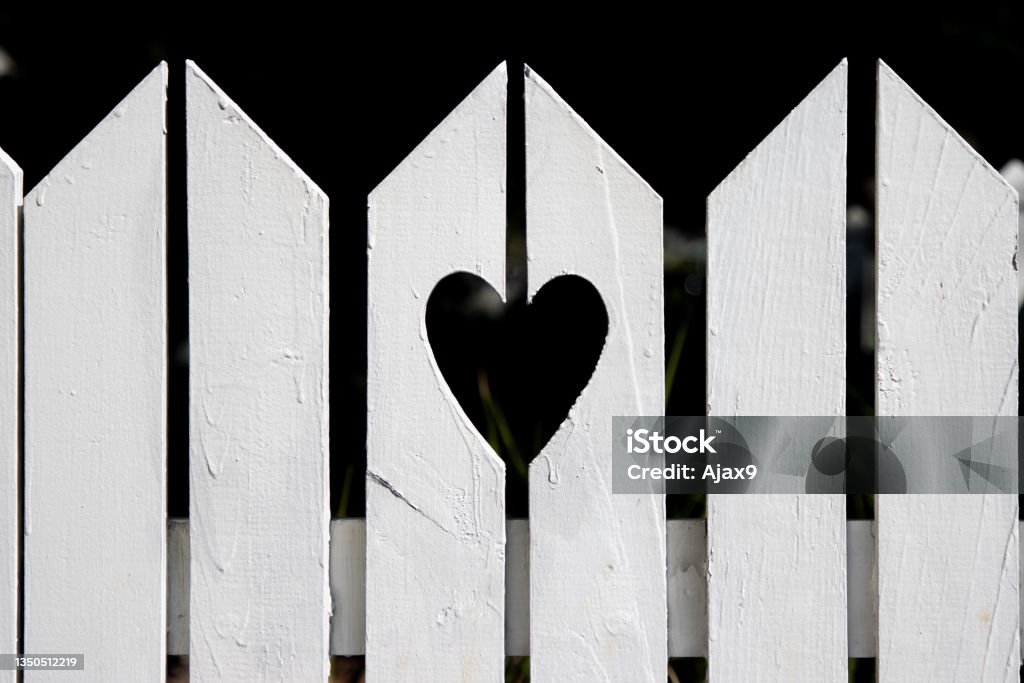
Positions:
(95, 398)
(776, 345)
(948, 577)
(597, 559)
(258, 339)
(435, 491)
(10, 267)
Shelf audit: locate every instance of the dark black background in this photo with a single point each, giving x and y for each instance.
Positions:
(683, 96)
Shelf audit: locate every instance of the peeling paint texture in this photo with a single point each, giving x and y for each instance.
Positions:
(435, 491)
(776, 346)
(948, 567)
(597, 559)
(258, 338)
(95, 398)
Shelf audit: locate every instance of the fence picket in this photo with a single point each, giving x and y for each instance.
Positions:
(435, 491)
(687, 588)
(776, 346)
(597, 559)
(10, 208)
(947, 345)
(258, 325)
(95, 398)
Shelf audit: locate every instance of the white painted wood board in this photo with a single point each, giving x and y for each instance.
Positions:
(258, 342)
(10, 267)
(776, 330)
(95, 398)
(597, 559)
(435, 490)
(948, 577)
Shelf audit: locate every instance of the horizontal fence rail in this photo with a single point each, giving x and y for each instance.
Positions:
(686, 580)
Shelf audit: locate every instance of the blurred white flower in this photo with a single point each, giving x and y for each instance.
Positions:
(7, 65)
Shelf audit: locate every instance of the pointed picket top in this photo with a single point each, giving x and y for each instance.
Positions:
(545, 265)
(598, 604)
(95, 395)
(538, 86)
(10, 203)
(11, 168)
(963, 193)
(480, 104)
(150, 92)
(258, 342)
(813, 135)
(478, 111)
(890, 83)
(235, 114)
(947, 345)
(776, 345)
(435, 490)
(824, 94)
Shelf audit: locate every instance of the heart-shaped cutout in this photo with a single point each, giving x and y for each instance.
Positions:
(516, 369)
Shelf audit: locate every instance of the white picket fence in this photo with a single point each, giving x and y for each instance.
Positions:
(436, 585)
